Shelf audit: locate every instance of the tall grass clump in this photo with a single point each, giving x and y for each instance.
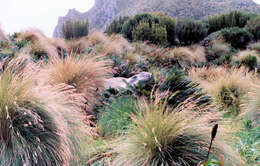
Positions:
(32, 132)
(40, 44)
(253, 103)
(217, 49)
(85, 74)
(189, 56)
(109, 45)
(162, 136)
(248, 58)
(228, 87)
(74, 29)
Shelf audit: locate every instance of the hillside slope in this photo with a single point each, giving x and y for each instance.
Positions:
(104, 11)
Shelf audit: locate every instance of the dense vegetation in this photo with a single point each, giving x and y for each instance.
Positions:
(57, 109)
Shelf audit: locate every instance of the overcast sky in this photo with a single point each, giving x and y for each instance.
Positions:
(17, 15)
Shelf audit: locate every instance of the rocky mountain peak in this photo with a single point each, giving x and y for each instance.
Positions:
(104, 11)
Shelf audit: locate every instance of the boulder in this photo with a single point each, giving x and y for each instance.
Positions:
(123, 83)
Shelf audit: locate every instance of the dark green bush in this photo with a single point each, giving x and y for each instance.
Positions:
(253, 26)
(116, 25)
(231, 19)
(170, 24)
(129, 25)
(237, 37)
(189, 31)
(154, 33)
(75, 29)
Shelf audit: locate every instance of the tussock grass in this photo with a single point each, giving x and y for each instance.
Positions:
(114, 44)
(241, 56)
(97, 37)
(31, 131)
(216, 49)
(227, 86)
(251, 104)
(40, 125)
(162, 136)
(42, 43)
(85, 74)
(189, 56)
(77, 46)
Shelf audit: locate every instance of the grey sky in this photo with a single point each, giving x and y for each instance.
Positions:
(17, 15)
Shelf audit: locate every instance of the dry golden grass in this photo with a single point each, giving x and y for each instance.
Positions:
(114, 44)
(86, 74)
(251, 105)
(40, 42)
(20, 90)
(163, 136)
(240, 56)
(189, 56)
(97, 37)
(77, 46)
(227, 86)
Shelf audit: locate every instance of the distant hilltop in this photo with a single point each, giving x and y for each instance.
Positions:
(104, 11)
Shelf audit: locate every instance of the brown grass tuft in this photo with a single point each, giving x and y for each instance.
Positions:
(40, 42)
(189, 56)
(86, 74)
(227, 86)
(243, 54)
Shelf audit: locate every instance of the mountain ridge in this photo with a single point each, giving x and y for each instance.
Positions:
(104, 11)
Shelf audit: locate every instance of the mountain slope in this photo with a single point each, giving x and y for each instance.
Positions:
(104, 11)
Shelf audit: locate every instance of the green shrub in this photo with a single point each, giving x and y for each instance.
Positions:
(154, 33)
(115, 118)
(189, 31)
(237, 37)
(253, 26)
(142, 31)
(129, 25)
(249, 61)
(231, 19)
(170, 24)
(75, 29)
(116, 25)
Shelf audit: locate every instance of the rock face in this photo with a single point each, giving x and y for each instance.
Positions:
(104, 11)
(123, 83)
